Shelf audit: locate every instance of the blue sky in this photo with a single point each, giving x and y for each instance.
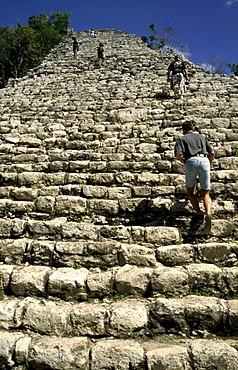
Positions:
(208, 27)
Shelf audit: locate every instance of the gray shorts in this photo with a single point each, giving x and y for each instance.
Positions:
(197, 167)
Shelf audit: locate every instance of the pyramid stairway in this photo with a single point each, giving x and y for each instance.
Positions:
(100, 266)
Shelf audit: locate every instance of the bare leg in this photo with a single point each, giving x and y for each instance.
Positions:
(205, 194)
(193, 200)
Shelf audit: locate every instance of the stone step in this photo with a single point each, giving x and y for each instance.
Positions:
(78, 283)
(38, 352)
(62, 245)
(123, 318)
(121, 279)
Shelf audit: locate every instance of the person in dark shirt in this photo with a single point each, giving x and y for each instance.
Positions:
(75, 46)
(196, 153)
(101, 56)
(177, 76)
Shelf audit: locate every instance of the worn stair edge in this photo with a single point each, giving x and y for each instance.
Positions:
(81, 284)
(189, 316)
(36, 351)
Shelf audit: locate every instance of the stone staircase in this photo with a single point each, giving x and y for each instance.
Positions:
(101, 268)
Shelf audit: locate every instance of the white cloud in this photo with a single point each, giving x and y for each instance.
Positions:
(208, 67)
(186, 54)
(231, 2)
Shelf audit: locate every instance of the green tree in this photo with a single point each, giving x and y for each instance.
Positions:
(165, 39)
(60, 22)
(25, 47)
(233, 67)
(57, 21)
(154, 41)
(17, 52)
(49, 30)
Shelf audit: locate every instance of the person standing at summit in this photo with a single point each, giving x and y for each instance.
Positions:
(197, 154)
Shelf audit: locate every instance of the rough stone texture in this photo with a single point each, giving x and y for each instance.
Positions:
(100, 266)
(117, 354)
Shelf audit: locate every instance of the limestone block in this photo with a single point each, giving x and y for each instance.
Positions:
(106, 251)
(50, 191)
(117, 354)
(23, 193)
(225, 175)
(7, 348)
(162, 235)
(163, 165)
(124, 177)
(30, 280)
(126, 148)
(233, 316)
(214, 252)
(91, 191)
(232, 188)
(58, 154)
(147, 148)
(161, 204)
(231, 278)
(32, 179)
(126, 317)
(119, 193)
(88, 319)
(12, 250)
(220, 122)
(84, 231)
(70, 205)
(134, 205)
(68, 283)
(170, 281)
(229, 163)
(78, 178)
(13, 137)
(20, 206)
(5, 274)
(223, 151)
(22, 349)
(171, 357)
(134, 254)
(71, 248)
(148, 178)
(4, 192)
(168, 316)
(204, 276)
(56, 166)
(59, 353)
(46, 317)
(215, 355)
(52, 228)
(40, 252)
(54, 179)
(115, 232)
(5, 228)
(142, 191)
(131, 115)
(132, 280)
(102, 178)
(7, 314)
(44, 203)
(118, 165)
(205, 313)
(100, 284)
(77, 166)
